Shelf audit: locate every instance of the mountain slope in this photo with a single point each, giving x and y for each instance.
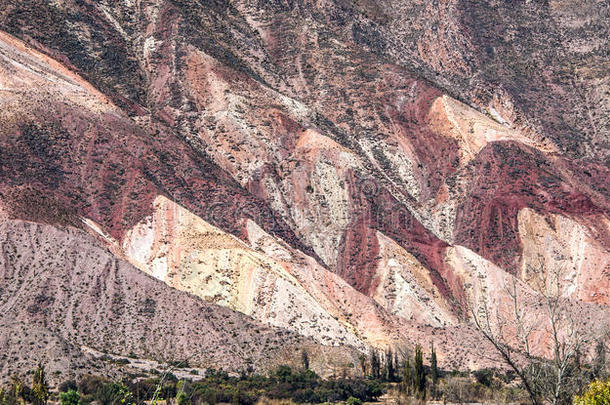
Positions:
(352, 165)
(62, 292)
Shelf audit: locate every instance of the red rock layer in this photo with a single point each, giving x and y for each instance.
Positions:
(515, 177)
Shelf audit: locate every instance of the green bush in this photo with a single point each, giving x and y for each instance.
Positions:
(108, 394)
(203, 394)
(70, 397)
(307, 395)
(484, 376)
(89, 384)
(598, 393)
(353, 401)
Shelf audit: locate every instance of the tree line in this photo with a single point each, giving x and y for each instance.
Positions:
(406, 373)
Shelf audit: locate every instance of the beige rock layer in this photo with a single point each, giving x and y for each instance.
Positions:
(405, 288)
(474, 130)
(567, 253)
(358, 312)
(37, 72)
(191, 255)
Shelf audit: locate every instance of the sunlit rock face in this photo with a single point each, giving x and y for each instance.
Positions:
(359, 173)
(473, 130)
(404, 287)
(189, 254)
(565, 252)
(359, 313)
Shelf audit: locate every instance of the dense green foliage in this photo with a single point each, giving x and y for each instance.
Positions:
(419, 374)
(598, 393)
(303, 386)
(70, 397)
(353, 401)
(282, 383)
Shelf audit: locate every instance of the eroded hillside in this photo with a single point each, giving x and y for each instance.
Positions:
(358, 173)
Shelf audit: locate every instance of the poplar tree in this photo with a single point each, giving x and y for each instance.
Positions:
(305, 359)
(375, 365)
(389, 366)
(433, 371)
(362, 359)
(407, 377)
(419, 374)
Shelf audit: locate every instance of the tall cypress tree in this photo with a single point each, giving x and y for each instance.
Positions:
(407, 377)
(419, 374)
(433, 371)
(305, 359)
(362, 359)
(389, 365)
(599, 362)
(16, 394)
(375, 365)
(396, 365)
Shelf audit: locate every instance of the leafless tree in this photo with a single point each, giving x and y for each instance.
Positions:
(538, 335)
